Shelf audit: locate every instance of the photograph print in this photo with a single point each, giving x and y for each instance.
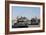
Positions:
(25, 17)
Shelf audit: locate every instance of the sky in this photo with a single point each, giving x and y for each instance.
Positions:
(28, 12)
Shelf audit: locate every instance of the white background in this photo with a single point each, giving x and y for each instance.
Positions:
(2, 18)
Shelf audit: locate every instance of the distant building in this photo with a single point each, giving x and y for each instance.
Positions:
(23, 20)
(35, 21)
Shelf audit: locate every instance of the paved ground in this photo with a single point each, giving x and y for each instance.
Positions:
(33, 26)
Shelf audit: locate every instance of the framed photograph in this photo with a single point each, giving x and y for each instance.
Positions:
(24, 17)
